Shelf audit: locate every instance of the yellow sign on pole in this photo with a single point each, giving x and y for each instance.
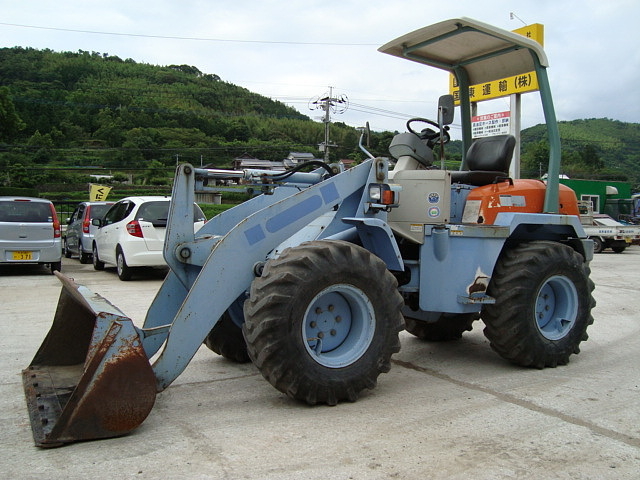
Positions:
(527, 82)
(98, 193)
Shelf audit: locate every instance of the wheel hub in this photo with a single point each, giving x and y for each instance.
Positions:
(556, 307)
(338, 326)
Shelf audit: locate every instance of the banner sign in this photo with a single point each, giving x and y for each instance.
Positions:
(98, 193)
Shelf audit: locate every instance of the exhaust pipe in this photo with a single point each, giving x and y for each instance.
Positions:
(91, 377)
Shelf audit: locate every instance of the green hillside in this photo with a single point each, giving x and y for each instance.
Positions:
(93, 110)
(595, 148)
(65, 115)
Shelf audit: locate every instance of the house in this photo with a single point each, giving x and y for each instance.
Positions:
(245, 161)
(601, 193)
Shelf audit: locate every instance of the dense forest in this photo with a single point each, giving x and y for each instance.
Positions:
(65, 115)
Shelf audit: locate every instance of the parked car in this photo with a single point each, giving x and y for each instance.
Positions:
(30, 232)
(78, 239)
(131, 234)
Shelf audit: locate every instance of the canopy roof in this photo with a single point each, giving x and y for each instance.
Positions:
(487, 53)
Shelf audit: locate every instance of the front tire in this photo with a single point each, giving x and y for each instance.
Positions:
(322, 321)
(65, 249)
(84, 257)
(543, 304)
(226, 339)
(97, 264)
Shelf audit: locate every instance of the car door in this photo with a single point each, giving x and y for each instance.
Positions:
(112, 225)
(74, 228)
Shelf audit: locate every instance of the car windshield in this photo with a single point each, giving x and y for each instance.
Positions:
(97, 211)
(154, 212)
(158, 212)
(25, 211)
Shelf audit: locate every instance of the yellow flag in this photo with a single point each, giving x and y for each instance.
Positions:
(98, 193)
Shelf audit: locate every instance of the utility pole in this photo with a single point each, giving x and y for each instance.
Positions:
(328, 103)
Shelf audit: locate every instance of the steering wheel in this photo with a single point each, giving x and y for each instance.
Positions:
(428, 134)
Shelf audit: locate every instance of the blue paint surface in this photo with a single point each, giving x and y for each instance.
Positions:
(293, 214)
(255, 234)
(329, 193)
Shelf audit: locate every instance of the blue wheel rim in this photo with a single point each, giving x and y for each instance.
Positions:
(556, 307)
(339, 325)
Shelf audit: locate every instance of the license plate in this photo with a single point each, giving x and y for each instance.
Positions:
(22, 255)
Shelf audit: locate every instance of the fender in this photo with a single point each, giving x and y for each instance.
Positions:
(377, 237)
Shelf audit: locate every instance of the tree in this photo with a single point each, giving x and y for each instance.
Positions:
(590, 157)
(10, 122)
(535, 160)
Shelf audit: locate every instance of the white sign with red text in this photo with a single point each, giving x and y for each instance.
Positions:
(490, 124)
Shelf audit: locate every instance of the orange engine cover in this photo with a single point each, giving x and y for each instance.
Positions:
(523, 196)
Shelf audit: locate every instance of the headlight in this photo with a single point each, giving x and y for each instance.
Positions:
(375, 192)
(384, 194)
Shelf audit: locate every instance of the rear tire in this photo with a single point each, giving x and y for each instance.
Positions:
(322, 321)
(618, 249)
(597, 245)
(56, 267)
(543, 304)
(124, 271)
(97, 264)
(449, 326)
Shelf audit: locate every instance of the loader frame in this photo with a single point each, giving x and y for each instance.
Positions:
(435, 270)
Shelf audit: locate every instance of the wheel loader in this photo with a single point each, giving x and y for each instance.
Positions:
(314, 279)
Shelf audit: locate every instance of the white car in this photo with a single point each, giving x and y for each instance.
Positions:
(131, 234)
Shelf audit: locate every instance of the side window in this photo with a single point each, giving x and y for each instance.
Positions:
(117, 212)
(128, 210)
(74, 215)
(78, 213)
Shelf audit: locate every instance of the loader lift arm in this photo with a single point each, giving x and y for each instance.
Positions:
(214, 270)
(107, 388)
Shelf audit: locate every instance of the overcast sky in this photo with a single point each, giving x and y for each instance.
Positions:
(293, 51)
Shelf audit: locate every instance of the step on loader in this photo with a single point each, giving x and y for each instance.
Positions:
(313, 279)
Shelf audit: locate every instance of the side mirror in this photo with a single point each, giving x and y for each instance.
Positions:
(446, 110)
(96, 222)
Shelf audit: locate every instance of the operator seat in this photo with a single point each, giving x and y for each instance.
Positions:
(488, 159)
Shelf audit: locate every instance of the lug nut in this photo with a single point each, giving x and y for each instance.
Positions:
(313, 324)
(321, 335)
(318, 310)
(333, 333)
(338, 319)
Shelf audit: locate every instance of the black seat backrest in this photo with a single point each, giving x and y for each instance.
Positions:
(491, 153)
(488, 159)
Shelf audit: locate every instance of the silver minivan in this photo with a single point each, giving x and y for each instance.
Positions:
(29, 232)
(78, 239)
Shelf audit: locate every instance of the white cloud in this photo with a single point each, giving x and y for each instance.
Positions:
(592, 47)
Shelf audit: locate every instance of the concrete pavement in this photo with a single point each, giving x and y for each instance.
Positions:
(445, 411)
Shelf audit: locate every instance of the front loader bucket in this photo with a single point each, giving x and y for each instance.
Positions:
(90, 378)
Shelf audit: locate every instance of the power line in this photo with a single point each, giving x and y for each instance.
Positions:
(199, 39)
